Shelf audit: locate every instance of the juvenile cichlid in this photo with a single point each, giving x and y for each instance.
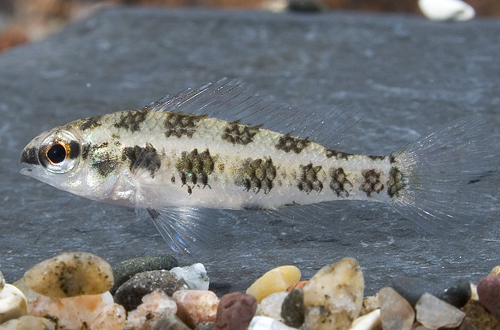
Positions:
(217, 147)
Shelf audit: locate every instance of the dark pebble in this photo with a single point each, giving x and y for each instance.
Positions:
(306, 6)
(130, 294)
(478, 318)
(169, 321)
(205, 326)
(488, 290)
(128, 268)
(413, 288)
(235, 311)
(292, 310)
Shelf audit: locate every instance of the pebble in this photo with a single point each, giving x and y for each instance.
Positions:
(152, 308)
(196, 306)
(271, 305)
(2, 281)
(130, 294)
(333, 297)
(370, 321)
(495, 271)
(70, 274)
(446, 10)
(370, 304)
(111, 317)
(275, 280)
(267, 323)
(306, 6)
(300, 284)
(434, 313)
(128, 268)
(205, 326)
(395, 312)
(488, 290)
(195, 276)
(80, 311)
(292, 309)
(413, 288)
(235, 311)
(13, 303)
(168, 321)
(478, 318)
(28, 293)
(28, 322)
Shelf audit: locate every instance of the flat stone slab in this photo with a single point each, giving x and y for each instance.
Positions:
(404, 75)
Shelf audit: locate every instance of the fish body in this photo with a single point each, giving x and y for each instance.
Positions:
(177, 153)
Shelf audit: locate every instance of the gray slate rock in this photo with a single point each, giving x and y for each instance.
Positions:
(130, 294)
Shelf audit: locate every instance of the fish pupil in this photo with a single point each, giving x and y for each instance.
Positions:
(56, 153)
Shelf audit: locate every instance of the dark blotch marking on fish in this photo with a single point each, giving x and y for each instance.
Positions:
(289, 143)
(339, 183)
(178, 124)
(377, 157)
(86, 150)
(256, 174)
(308, 180)
(29, 156)
(130, 120)
(143, 158)
(392, 159)
(104, 167)
(337, 154)
(195, 168)
(74, 149)
(372, 182)
(236, 133)
(395, 182)
(91, 122)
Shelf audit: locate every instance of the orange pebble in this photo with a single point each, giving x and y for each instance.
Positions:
(297, 285)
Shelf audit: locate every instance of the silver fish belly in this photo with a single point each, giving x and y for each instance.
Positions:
(200, 149)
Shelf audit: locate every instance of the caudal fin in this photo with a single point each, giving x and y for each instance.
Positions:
(449, 178)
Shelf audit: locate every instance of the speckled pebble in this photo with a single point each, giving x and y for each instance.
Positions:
(271, 305)
(128, 268)
(333, 297)
(169, 321)
(13, 303)
(235, 311)
(370, 321)
(130, 294)
(196, 306)
(292, 309)
(267, 323)
(152, 308)
(488, 290)
(478, 318)
(74, 312)
(434, 313)
(275, 280)
(195, 276)
(28, 322)
(70, 274)
(396, 313)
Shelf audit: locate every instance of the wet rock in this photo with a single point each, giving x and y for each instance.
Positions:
(488, 290)
(267, 323)
(478, 318)
(196, 306)
(128, 268)
(13, 303)
(271, 305)
(169, 321)
(28, 322)
(370, 321)
(111, 317)
(434, 313)
(292, 309)
(70, 274)
(235, 311)
(130, 294)
(333, 297)
(395, 312)
(275, 280)
(195, 276)
(153, 306)
(77, 312)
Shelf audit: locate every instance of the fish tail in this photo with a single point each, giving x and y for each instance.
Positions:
(448, 178)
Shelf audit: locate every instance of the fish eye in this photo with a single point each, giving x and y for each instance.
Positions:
(59, 152)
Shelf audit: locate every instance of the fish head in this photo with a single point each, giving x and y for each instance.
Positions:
(54, 157)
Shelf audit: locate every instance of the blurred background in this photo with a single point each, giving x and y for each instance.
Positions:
(23, 21)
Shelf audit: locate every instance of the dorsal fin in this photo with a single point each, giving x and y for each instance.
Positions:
(230, 100)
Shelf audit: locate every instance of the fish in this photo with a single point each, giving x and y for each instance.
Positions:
(221, 147)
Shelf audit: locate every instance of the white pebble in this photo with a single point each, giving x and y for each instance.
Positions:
(195, 276)
(370, 321)
(271, 305)
(446, 10)
(13, 303)
(267, 323)
(434, 313)
(28, 322)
